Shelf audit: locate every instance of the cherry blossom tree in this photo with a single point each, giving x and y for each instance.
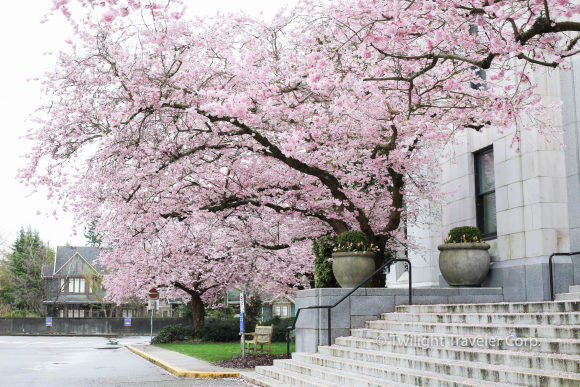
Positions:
(203, 143)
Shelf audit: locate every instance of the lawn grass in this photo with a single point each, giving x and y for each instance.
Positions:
(213, 352)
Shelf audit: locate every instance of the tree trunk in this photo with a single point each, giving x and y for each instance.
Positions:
(198, 315)
(379, 280)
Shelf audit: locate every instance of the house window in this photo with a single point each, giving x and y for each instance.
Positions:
(485, 193)
(284, 311)
(127, 313)
(76, 313)
(76, 285)
(277, 310)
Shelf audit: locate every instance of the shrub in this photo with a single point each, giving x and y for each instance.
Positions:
(172, 333)
(253, 309)
(323, 275)
(221, 330)
(280, 327)
(354, 241)
(463, 234)
(223, 313)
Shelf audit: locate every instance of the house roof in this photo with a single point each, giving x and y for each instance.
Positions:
(73, 299)
(47, 270)
(279, 297)
(65, 253)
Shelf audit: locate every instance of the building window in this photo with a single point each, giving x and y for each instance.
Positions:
(284, 311)
(485, 193)
(76, 285)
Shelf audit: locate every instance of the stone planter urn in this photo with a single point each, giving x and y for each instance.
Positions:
(350, 268)
(464, 264)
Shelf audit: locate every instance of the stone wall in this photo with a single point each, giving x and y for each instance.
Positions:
(85, 326)
(367, 304)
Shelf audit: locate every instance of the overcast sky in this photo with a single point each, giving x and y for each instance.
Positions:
(25, 44)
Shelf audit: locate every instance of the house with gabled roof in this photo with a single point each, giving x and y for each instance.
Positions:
(282, 305)
(73, 286)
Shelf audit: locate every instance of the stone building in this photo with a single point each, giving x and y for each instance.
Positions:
(526, 201)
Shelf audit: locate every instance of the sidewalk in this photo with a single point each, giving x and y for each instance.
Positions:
(182, 365)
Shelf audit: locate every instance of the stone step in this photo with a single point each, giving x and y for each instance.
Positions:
(332, 377)
(541, 345)
(568, 297)
(519, 330)
(266, 381)
(534, 360)
(372, 362)
(500, 307)
(291, 378)
(570, 318)
(574, 288)
(381, 372)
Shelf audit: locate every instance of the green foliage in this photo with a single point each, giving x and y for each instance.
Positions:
(186, 311)
(463, 234)
(172, 333)
(224, 313)
(221, 330)
(19, 314)
(354, 241)
(21, 283)
(93, 239)
(280, 327)
(253, 309)
(323, 275)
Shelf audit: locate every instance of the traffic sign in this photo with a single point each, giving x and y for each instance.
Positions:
(242, 303)
(49, 321)
(153, 294)
(241, 322)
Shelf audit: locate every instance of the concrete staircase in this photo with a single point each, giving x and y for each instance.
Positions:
(502, 344)
(573, 295)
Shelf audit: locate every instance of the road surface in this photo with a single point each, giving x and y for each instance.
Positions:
(84, 361)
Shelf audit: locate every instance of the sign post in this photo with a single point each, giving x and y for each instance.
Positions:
(242, 311)
(153, 296)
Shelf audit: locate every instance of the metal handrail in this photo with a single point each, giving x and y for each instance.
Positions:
(329, 307)
(551, 271)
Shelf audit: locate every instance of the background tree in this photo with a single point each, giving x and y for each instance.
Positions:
(21, 283)
(91, 236)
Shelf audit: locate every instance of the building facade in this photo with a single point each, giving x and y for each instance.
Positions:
(524, 198)
(73, 287)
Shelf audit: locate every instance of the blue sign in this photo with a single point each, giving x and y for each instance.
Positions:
(241, 322)
(127, 322)
(49, 321)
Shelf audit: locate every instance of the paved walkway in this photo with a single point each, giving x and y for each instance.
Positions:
(182, 365)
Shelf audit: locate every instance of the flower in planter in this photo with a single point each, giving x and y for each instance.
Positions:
(354, 241)
(465, 234)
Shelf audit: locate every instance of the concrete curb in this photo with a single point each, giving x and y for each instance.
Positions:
(181, 372)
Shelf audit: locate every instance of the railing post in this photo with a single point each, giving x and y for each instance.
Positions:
(410, 285)
(329, 326)
(551, 274)
(288, 342)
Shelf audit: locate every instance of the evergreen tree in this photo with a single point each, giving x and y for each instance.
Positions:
(93, 239)
(21, 283)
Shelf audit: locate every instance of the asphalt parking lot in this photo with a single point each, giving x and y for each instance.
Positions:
(85, 361)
